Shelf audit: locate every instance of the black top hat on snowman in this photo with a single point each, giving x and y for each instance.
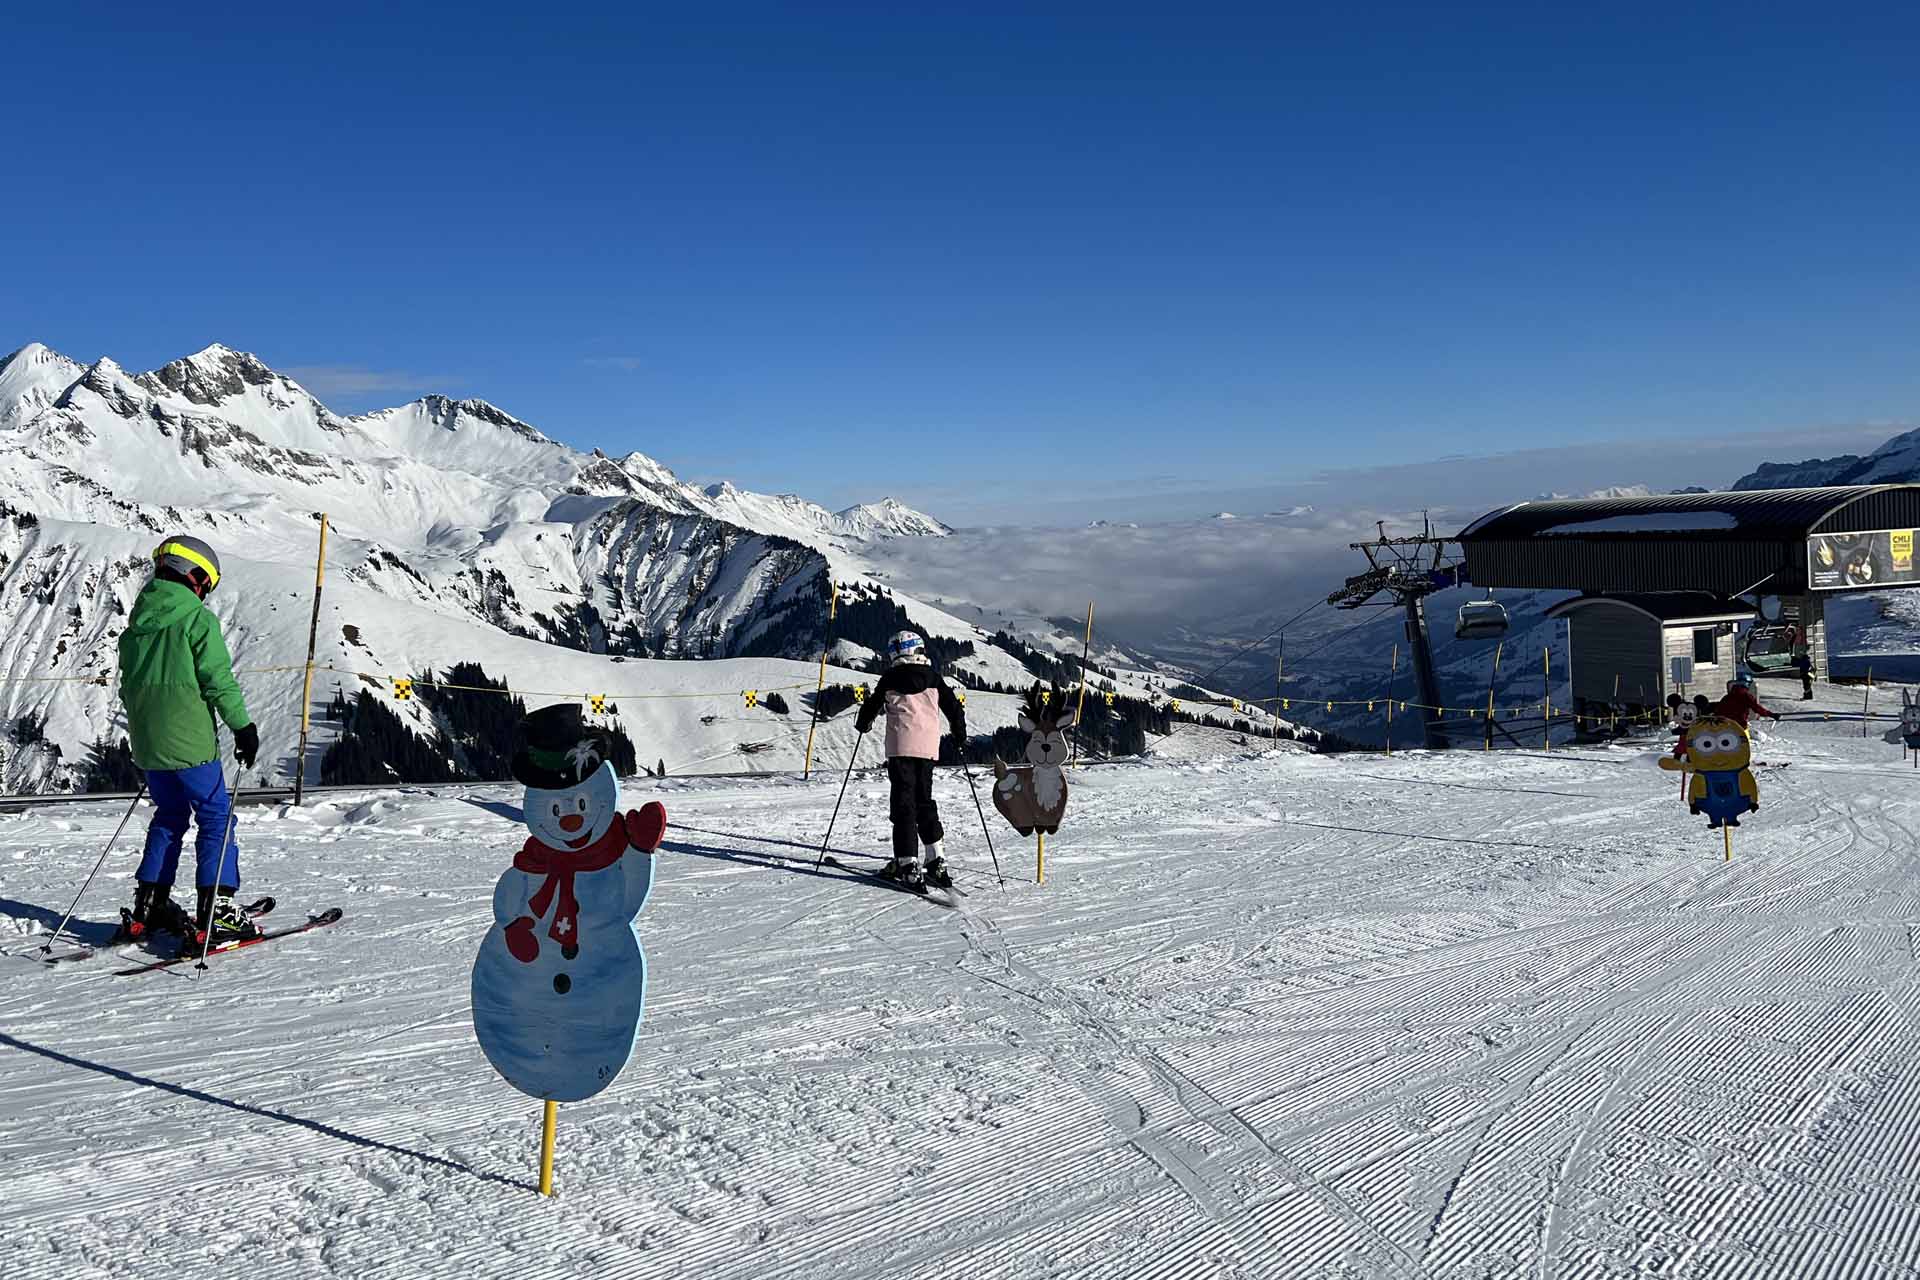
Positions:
(559, 749)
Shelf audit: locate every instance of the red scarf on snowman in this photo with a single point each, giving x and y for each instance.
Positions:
(559, 866)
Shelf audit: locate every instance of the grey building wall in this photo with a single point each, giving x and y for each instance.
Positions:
(1712, 678)
(1616, 648)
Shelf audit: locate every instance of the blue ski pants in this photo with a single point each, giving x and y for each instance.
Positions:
(198, 794)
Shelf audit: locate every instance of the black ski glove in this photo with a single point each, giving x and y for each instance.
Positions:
(246, 744)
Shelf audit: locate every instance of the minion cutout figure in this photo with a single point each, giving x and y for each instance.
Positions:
(1720, 757)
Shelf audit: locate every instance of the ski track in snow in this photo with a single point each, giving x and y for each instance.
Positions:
(1419, 1016)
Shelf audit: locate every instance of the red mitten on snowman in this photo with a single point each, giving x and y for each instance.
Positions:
(647, 827)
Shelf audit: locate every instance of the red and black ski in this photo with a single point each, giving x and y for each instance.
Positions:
(327, 917)
(120, 940)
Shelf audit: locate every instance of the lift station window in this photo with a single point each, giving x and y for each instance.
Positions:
(1703, 646)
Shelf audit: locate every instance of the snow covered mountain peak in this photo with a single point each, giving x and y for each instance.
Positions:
(889, 518)
(650, 472)
(35, 353)
(215, 374)
(31, 379)
(448, 413)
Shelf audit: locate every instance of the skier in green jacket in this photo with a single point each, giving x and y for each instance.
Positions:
(175, 678)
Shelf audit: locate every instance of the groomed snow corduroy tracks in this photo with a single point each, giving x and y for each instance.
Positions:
(1465, 1015)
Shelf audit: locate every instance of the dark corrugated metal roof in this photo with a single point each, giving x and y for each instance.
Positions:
(1667, 606)
(1749, 515)
(1725, 544)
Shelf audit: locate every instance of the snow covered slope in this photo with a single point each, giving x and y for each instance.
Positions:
(1272, 1016)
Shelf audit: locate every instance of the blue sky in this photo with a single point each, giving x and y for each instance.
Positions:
(988, 257)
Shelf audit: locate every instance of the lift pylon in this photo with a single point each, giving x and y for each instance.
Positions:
(1409, 570)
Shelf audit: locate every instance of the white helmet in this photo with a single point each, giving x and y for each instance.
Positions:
(906, 647)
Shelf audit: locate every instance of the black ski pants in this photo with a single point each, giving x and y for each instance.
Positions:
(916, 819)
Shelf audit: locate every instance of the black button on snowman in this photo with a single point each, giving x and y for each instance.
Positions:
(559, 985)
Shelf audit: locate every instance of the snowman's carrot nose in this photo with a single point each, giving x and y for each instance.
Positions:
(572, 822)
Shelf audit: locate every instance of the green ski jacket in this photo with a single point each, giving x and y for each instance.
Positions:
(175, 674)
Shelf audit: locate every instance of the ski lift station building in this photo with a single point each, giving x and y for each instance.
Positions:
(1675, 575)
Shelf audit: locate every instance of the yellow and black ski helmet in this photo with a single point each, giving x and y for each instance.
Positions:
(187, 557)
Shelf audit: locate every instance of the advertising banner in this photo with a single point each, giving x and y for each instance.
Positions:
(1856, 561)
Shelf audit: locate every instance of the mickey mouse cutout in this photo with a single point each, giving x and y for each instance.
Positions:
(559, 985)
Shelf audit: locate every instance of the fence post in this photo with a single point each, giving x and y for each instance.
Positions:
(1492, 681)
(1080, 709)
(306, 688)
(1393, 675)
(1546, 689)
(833, 609)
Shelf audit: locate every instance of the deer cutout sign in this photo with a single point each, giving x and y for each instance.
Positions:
(1033, 796)
(1910, 721)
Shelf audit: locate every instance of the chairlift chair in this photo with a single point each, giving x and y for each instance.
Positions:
(1767, 648)
(1481, 620)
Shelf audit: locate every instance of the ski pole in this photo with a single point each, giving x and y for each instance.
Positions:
(46, 948)
(978, 808)
(854, 755)
(220, 868)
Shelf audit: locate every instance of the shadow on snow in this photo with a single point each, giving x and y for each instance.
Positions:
(200, 1095)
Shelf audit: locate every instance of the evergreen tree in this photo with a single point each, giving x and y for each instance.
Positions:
(109, 767)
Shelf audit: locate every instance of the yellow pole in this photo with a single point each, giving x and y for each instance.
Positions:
(833, 608)
(551, 1120)
(306, 689)
(1086, 655)
(1546, 679)
(1728, 833)
(1498, 649)
(1081, 705)
(1393, 674)
(1040, 857)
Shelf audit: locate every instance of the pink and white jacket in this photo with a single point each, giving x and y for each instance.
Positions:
(915, 697)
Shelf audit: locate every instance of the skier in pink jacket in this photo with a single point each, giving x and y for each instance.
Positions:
(915, 697)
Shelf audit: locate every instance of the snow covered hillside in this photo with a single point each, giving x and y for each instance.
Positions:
(459, 534)
(1274, 1016)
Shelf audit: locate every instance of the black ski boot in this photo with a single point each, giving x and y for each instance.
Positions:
(936, 867)
(228, 921)
(154, 911)
(907, 873)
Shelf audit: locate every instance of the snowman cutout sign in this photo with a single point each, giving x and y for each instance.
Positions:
(560, 983)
